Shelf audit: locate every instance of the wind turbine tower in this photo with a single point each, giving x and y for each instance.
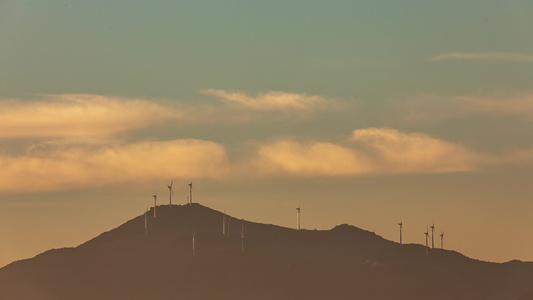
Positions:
(190, 193)
(224, 224)
(229, 226)
(194, 243)
(427, 238)
(155, 202)
(442, 239)
(432, 235)
(146, 222)
(298, 217)
(242, 236)
(170, 193)
(401, 225)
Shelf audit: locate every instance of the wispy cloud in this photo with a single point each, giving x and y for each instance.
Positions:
(375, 151)
(83, 166)
(87, 118)
(435, 108)
(488, 56)
(270, 101)
(81, 116)
(513, 105)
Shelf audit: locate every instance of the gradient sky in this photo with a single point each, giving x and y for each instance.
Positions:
(361, 112)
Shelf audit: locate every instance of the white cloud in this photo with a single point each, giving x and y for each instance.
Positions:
(270, 101)
(488, 56)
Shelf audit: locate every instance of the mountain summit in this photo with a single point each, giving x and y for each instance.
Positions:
(277, 263)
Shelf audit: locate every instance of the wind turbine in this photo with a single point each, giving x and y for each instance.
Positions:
(298, 217)
(190, 193)
(194, 243)
(442, 239)
(170, 192)
(224, 224)
(155, 202)
(228, 226)
(427, 237)
(401, 224)
(146, 222)
(242, 236)
(432, 235)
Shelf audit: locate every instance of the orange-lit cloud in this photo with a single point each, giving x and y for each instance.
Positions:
(399, 152)
(366, 151)
(79, 116)
(60, 153)
(314, 158)
(87, 118)
(375, 151)
(270, 101)
(142, 162)
(488, 56)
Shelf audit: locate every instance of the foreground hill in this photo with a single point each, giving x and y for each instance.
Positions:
(278, 263)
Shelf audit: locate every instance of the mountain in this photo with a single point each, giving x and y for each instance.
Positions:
(278, 263)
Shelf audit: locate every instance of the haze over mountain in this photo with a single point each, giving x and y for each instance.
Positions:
(278, 263)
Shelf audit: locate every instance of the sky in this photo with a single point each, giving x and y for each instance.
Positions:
(361, 112)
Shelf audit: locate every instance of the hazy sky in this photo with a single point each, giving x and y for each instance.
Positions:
(361, 112)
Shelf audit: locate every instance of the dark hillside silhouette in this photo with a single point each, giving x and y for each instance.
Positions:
(278, 263)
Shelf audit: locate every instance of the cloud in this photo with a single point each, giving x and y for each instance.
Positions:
(513, 105)
(431, 108)
(309, 159)
(487, 56)
(399, 152)
(142, 162)
(87, 118)
(79, 116)
(270, 101)
(372, 151)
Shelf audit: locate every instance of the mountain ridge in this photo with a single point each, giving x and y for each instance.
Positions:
(345, 261)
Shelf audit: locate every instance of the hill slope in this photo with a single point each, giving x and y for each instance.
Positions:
(278, 263)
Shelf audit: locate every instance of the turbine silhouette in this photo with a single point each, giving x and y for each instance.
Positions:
(170, 192)
(298, 218)
(224, 224)
(242, 236)
(401, 225)
(194, 243)
(190, 193)
(155, 203)
(146, 222)
(427, 238)
(432, 235)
